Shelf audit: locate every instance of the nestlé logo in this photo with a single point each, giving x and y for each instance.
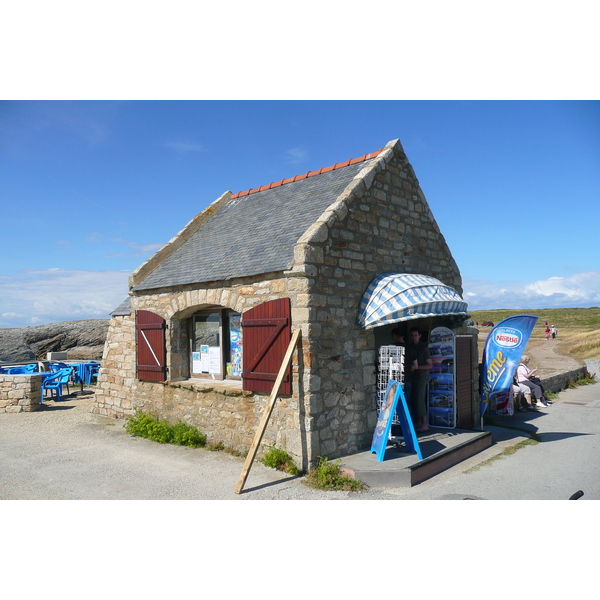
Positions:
(507, 337)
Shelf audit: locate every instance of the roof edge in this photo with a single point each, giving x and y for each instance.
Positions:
(351, 161)
(338, 209)
(177, 241)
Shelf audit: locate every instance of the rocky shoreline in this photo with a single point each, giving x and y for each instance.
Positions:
(83, 340)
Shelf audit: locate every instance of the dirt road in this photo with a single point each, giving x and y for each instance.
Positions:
(544, 355)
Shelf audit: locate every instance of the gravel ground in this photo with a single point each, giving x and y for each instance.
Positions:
(65, 452)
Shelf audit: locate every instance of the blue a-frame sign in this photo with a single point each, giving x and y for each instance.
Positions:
(394, 402)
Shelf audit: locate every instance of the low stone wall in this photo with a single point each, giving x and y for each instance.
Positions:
(20, 393)
(223, 413)
(560, 380)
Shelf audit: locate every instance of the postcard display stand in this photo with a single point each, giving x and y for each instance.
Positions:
(442, 395)
(391, 366)
(391, 403)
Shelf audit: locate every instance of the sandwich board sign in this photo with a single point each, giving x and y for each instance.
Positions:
(394, 402)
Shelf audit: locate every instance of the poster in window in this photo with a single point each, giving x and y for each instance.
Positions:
(214, 360)
(235, 343)
(196, 362)
(200, 360)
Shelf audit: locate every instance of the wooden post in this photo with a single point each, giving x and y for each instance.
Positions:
(267, 414)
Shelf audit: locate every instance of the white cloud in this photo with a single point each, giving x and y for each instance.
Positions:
(296, 156)
(579, 290)
(183, 147)
(137, 248)
(52, 295)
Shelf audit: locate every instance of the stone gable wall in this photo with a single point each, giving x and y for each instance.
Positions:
(382, 223)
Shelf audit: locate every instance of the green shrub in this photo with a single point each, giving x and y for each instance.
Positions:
(150, 427)
(279, 459)
(329, 476)
(186, 435)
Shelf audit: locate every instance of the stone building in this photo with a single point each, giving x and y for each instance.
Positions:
(209, 316)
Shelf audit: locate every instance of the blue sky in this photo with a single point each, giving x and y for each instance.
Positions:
(91, 189)
(99, 167)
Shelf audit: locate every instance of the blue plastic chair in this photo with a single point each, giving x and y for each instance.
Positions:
(84, 373)
(55, 366)
(94, 370)
(67, 374)
(55, 382)
(24, 370)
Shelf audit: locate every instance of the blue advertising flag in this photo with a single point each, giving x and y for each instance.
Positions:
(501, 355)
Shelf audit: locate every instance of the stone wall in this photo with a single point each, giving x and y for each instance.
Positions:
(117, 374)
(221, 410)
(20, 393)
(556, 382)
(381, 223)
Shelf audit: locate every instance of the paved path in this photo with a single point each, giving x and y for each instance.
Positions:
(65, 452)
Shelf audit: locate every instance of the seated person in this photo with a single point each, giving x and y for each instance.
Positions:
(522, 390)
(524, 373)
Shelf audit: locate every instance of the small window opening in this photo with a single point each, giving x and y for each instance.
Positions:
(216, 345)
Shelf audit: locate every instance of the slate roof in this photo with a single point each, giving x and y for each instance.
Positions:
(123, 309)
(256, 231)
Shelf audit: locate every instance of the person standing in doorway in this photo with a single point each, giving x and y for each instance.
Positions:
(398, 337)
(418, 364)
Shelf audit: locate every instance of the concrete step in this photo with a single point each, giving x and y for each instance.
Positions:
(440, 448)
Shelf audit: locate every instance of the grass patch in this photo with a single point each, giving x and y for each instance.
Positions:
(581, 381)
(329, 476)
(578, 332)
(150, 427)
(279, 459)
(221, 447)
(584, 344)
(562, 318)
(506, 452)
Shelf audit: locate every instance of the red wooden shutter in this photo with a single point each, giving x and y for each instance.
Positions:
(151, 353)
(266, 334)
(464, 382)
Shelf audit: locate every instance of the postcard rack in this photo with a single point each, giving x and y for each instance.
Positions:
(391, 366)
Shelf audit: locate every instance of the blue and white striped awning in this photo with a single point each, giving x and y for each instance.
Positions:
(395, 297)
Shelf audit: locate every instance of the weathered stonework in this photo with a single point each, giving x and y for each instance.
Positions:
(381, 223)
(20, 393)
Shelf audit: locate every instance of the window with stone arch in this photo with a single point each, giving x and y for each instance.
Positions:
(216, 344)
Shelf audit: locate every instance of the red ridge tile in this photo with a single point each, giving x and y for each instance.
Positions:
(347, 163)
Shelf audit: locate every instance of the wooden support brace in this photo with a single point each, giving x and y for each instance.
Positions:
(267, 414)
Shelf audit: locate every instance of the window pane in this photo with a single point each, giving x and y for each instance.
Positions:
(206, 330)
